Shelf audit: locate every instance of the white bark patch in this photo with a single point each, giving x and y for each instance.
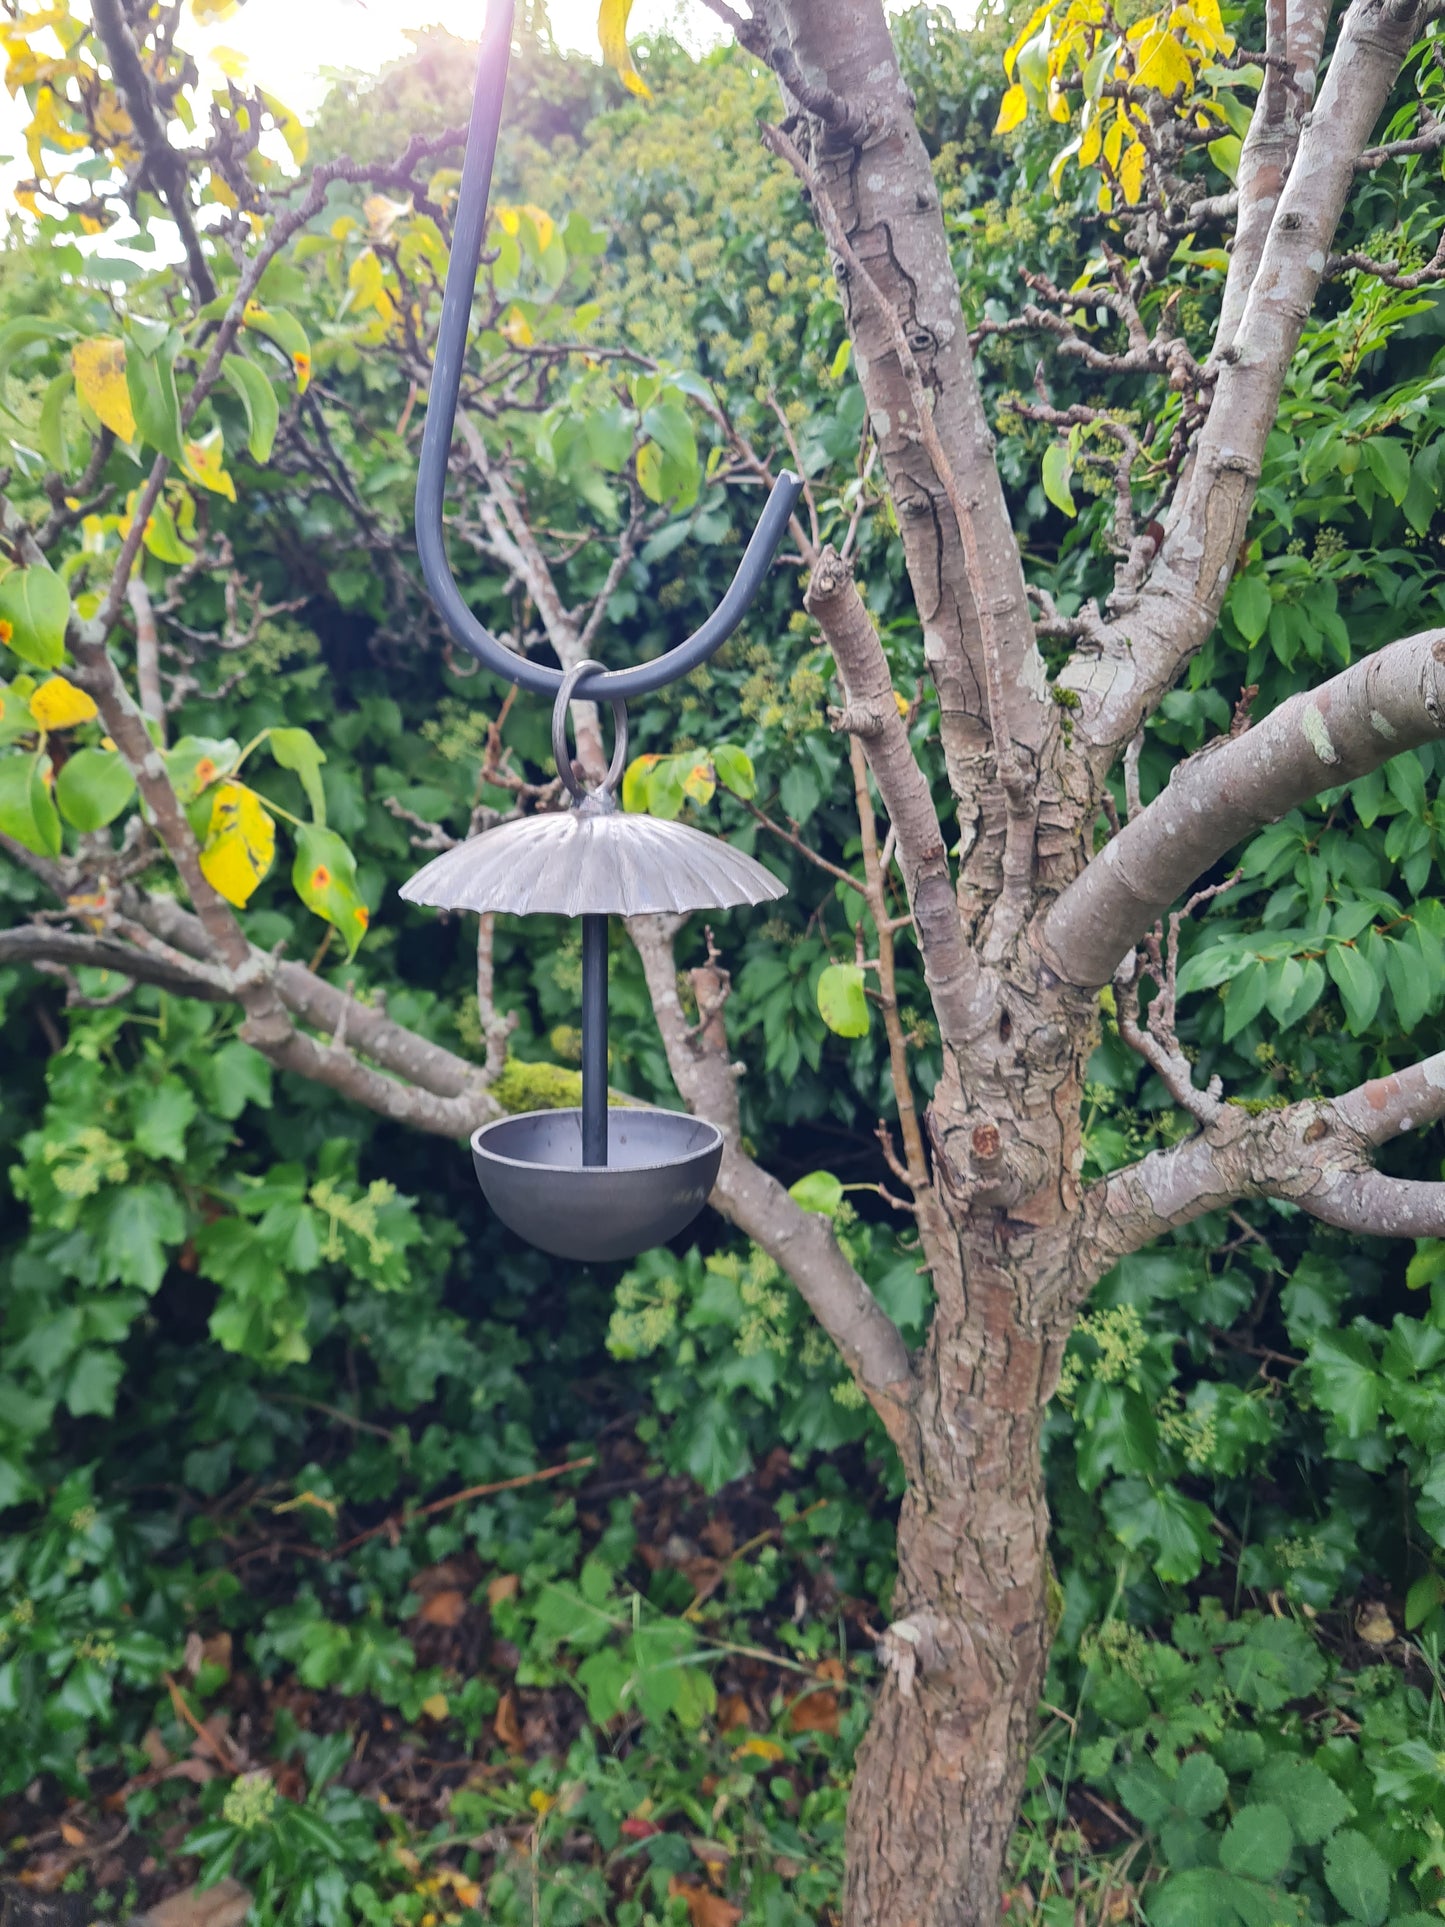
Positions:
(874, 183)
(1317, 734)
(1382, 726)
(1096, 676)
(1315, 261)
(935, 648)
(1032, 673)
(882, 424)
(1434, 1069)
(153, 767)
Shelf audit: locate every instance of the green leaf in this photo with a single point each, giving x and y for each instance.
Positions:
(800, 793)
(91, 1387)
(233, 1077)
(155, 404)
(1205, 1897)
(162, 1117)
(1202, 1786)
(195, 762)
(1389, 462)
(842, 1001)
(1271, 1662)
(735, 770)
(1357, 983)
(1307, 1794)
(1225, 153)
(34, 611)
(26, 811)
(1358, 1877)
(819, 1191)
(1250, 604)
(324, 876)
(1180, 1531)
(1257, 1843)
(1345, 1382)
(298, 750)
(286, 332)
(258, 398)
(93, 788)
(50, 432)
(1058, 470)
(138, 1222)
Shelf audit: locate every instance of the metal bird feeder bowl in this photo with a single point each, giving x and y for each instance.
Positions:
(589, 1183)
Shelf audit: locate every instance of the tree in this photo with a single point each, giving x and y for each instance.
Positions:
(1057, 905)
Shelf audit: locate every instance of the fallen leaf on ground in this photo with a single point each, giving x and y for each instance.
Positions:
(224, 1905)
(504, 1586)
(509, 1730)
(443, 1608)
(733, 1711)
(704, 1909)
(815, 1713)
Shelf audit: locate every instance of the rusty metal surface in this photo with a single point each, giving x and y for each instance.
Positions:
(583, 862)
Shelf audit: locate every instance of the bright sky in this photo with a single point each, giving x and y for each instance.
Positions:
(290, 45)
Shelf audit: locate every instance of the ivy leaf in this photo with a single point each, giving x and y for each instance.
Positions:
(26, 811)
(1058, 470)
(93, 788)
(842, 1001)
(298, 750)
(91, 1388)
(258, 398)
(612, 33)
(1357, 1876)
(137, 1223)
(240, 844)
(100, 378)
(324, 875)
(162, 1117)
(1345, 1382)
(34, 610)
(58, 704)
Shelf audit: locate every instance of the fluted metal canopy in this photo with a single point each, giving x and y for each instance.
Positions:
(589, 862)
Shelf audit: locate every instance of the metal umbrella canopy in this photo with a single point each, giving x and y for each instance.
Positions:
(579, 1183)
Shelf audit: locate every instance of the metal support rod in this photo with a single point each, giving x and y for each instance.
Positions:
(594, 1040)
(468, 234)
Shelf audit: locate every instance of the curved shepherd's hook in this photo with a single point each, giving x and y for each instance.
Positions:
(467, 237)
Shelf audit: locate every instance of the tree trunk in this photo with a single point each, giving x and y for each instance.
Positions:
(941, 1772)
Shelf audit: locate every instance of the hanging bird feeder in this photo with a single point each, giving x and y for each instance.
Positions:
(592, 1183)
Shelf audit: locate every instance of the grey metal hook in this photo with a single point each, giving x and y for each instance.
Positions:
(468, 233)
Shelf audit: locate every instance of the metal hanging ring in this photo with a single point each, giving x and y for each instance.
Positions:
(570, 680)
(468, 234)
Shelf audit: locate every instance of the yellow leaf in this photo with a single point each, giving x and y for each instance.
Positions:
(58, 704)
(1131, 172)
(99, 366)
(382, 214)
(1012, 112)
(240, 846)
(761, 1749)
(435, 1708)
(517, 329)
(205, 464)
(1058, 102)
(612, 32)
(307, 1498)
(539, 1801)
(1031, 26)
(231, 61)
(208, 12)
(1163, 63)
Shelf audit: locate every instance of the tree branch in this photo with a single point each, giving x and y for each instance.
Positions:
(963, 998)
(1156, 632)
(801, 1242)
(1388, 703)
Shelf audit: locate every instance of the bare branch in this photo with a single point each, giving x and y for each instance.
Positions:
(962, 996)
(1388, 703)
(801, 1242)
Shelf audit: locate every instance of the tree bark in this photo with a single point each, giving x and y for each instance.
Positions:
(941, 1772)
